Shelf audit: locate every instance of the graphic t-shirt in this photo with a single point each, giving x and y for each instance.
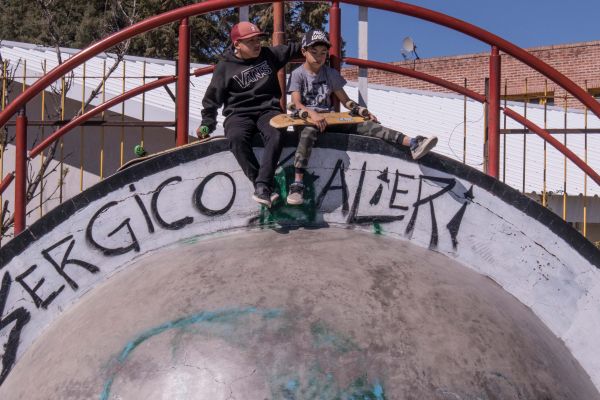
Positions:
(316, 90)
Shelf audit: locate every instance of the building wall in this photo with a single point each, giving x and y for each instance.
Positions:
(578, 61)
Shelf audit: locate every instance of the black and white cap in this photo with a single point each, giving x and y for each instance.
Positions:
(315, 36)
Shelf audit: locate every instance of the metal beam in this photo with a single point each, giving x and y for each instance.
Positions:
(363, 53)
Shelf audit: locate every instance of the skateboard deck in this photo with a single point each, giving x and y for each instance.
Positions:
(333, 118)
(138, 160)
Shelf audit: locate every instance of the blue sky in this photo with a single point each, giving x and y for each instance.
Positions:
(526, 23)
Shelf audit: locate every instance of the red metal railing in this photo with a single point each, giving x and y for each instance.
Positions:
(417, 75)
(183, 85)
(544, 134)
(110, 103)
(181, 14)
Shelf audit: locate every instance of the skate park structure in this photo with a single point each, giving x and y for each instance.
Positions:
(172, 254)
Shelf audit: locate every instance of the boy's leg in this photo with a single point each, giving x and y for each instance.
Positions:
(307, 136)
(273, 141)
(240, 129)
(373, 129)
(419, 146)
(306, 140)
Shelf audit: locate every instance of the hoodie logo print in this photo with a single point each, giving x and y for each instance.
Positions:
(253, 74)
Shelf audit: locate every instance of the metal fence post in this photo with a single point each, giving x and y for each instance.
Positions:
(183, 83)
(20, 172)
(279, 38)
(493, 101)
(335, 37)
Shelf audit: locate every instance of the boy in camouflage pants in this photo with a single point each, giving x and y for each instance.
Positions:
(311, 86)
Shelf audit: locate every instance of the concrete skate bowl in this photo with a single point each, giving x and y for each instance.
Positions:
(396, 280)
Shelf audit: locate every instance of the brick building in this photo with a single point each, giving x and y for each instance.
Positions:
(578, 61)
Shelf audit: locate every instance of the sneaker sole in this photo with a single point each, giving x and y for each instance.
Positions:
(430, 144)
(261, 201)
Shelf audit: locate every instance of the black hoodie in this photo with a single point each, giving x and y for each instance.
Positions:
(246, 85)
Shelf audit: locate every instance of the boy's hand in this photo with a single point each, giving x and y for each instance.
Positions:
(319, 120)
(373, 118)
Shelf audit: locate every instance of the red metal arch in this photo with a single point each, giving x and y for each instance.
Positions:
(214, 5)
(181, 14)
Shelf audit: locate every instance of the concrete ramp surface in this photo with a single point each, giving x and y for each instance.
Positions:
(312, 314)
(397, 280)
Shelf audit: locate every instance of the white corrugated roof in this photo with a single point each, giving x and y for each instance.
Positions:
(410, 111)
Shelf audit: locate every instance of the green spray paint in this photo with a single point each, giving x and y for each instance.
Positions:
(377, 229)
(280, 212)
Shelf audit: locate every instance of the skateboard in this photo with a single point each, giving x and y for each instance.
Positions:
(356, 115)
(143, 156)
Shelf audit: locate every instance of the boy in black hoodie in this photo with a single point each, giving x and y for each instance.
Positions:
(245, 82)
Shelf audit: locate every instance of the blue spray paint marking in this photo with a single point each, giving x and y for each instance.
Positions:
(323, 337)
(315, 383)
(319, 387)
(378, 391)
(203, 317)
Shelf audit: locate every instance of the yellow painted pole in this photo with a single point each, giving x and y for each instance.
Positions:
(565, 165)
(24, 86)
(545, 176)
(81, 131)
(122, 146)
(585, 147)
(504, 136)
(44, 66)
(4, 83)
(103, 116)
(61, 143)
(526, 100)
(143, 103)
(465, 127)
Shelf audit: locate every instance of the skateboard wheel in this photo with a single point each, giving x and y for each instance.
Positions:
(350, 104)
(303, 114)
(362, 111)
(139, 150)
(204, 132)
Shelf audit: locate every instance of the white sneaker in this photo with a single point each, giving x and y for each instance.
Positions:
(296, 195)
(423, 146)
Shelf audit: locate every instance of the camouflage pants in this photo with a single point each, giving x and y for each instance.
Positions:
(308, 137)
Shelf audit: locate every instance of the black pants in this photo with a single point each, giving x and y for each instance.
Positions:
(240, 129)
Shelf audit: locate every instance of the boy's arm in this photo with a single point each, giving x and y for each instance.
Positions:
(286, 52)
(342, 96)
(213, 100)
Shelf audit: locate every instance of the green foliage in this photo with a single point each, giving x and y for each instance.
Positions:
(78, 23)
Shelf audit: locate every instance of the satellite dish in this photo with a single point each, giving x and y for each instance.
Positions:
(408, 44)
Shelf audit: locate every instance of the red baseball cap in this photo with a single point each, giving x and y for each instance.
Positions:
(245, 30)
